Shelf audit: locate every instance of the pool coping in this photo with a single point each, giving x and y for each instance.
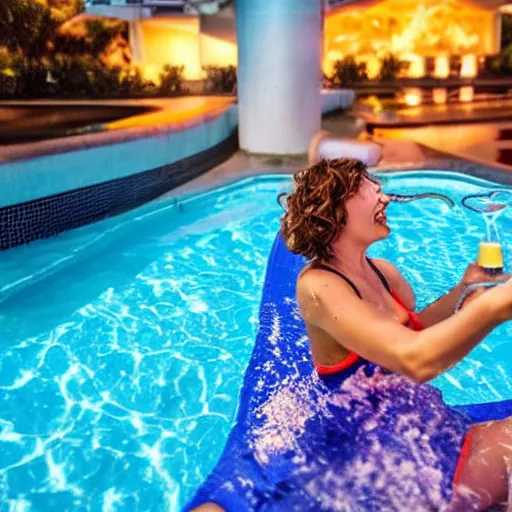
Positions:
(114, 226)
(371, 125)
(142, 126)
(51, 186)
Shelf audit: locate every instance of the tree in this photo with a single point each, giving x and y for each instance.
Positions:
(28, 26)
(63, 10)
(506, 30)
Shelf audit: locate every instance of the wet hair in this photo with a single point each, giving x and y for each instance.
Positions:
(316, 207)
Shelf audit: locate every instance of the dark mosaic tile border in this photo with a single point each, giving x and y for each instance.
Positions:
(42, 218)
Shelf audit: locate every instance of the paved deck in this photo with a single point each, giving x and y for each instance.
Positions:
(483, 143)
(422, 115)
(425, 148)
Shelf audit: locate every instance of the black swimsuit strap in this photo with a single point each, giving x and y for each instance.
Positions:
(321, 266)
(379, 274)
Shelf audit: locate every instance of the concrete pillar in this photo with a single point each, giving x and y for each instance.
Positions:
(136, 39)
(279, 78)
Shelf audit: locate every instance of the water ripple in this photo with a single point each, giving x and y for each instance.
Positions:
(119, 376)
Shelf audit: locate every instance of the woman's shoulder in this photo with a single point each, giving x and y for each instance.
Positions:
(387, 268)
(315, 279)
(396, 280)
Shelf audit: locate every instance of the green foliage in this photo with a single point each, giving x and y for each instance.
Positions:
(506, 30)
(390, 67)
(347, 72)
(133, 85)
(29, 26)
(99, 35)
(26, 26)
(7, 85)
(63, 10)
(221, 79)
(70, 77)
(33, 79)
(38, 62)
(499, 65)
(171, 81)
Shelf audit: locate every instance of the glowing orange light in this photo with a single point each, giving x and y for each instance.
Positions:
(466, 93)
(439, 95)
(171, 40)
(442, 67)
(416, 66)
(413, 96)
(217, 52)
(405, 28)
(468, 67)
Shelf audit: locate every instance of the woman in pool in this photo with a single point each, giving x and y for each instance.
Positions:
(359, 318)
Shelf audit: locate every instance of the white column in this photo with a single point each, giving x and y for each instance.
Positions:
(279, 78)
(136, 39)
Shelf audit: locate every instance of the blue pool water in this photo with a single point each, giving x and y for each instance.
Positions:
(125, 343)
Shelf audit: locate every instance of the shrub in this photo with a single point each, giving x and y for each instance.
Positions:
(171, 81)
(33, 79)
(72, 77)
(347, 72)
(7, 85)
(506, 30)
(222, 79)
(64, 76)
(390, 67)
(134, 85)
(498, 65)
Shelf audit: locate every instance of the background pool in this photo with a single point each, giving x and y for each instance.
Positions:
(119, 371)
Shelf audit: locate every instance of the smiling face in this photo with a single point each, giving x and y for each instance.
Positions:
(331, 200)
(366, 213)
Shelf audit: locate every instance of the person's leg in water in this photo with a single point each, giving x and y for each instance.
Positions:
(484, 476)
(485, 473)
(208, 507)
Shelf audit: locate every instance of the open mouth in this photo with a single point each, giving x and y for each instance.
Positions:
(380, 217)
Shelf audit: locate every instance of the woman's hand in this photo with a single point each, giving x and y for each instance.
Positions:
(476, 274)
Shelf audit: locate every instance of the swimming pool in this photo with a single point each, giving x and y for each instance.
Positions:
(121, 364)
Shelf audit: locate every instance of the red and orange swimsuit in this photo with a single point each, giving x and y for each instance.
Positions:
(353, 359)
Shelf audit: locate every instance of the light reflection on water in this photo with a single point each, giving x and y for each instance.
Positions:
(120, 375)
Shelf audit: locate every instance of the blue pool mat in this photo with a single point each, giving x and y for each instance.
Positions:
(254, 471)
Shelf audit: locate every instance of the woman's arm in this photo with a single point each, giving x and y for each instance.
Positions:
(444, 306)
(332, 306)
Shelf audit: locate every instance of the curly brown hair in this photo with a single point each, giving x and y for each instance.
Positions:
(316, 207)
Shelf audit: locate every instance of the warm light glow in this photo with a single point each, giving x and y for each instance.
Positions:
(413, 96)
(425, 28)
(439, 95)
(466, 93)
(372, 65)
(468, 67)
(215, 51)
(416, 66)
(151, 72)
(174, 41)
(442, 67)
(177, 41)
